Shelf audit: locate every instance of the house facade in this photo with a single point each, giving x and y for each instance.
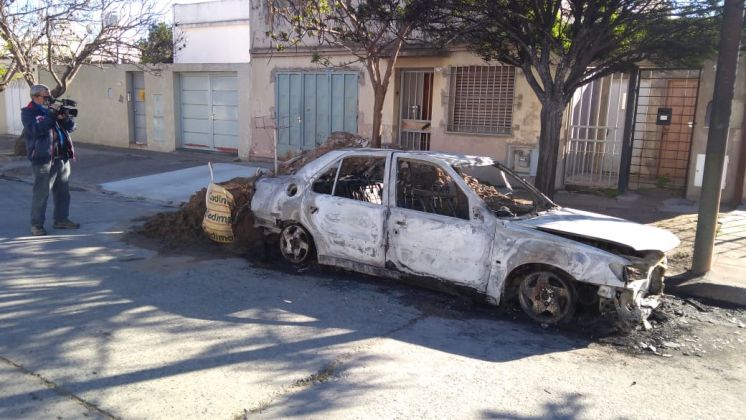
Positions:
(452, 102)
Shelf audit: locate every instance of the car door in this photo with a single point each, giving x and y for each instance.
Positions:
(345, 208)
(432, 227)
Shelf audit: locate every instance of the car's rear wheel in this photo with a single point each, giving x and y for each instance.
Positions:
(296, 244)
(547, 296)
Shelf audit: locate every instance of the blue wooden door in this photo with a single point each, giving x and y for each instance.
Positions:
(309, 106)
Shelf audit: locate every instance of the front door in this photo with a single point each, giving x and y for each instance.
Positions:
(415, 109)
(431, 230)
(345, 210)
(138, 108)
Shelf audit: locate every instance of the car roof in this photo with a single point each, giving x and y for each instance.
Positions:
(450, 158)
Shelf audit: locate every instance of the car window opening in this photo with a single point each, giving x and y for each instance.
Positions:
(425, 187)
(324, 184)
(361, 178)
(504, 194)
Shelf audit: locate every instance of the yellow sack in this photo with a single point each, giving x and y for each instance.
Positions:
(217, 222)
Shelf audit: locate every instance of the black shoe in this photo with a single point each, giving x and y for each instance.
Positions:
(38, 231)
(66, 224)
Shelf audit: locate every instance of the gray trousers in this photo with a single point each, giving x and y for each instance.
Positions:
(52, 177)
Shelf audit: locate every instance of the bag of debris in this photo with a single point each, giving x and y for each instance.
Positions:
(217, 222)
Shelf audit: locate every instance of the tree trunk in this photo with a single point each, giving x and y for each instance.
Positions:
(378, 98)
(549, 139)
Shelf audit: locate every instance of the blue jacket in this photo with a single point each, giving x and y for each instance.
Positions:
(39, 127)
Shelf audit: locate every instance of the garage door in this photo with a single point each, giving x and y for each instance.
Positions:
(312, 105)
(209, 111)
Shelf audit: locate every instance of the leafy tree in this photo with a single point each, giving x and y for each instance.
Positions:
(561, 45)
(158, 47)
(373, 32)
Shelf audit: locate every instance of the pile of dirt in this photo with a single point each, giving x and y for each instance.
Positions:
(336, 140)
(183, 227)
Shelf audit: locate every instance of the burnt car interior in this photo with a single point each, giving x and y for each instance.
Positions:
(360, 178)
(425, 187)
(505, 195)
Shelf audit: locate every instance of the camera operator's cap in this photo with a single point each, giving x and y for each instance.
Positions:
(38, 89)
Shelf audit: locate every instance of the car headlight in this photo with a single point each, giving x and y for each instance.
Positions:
(619, 271)
(626, 273)
(635, 273)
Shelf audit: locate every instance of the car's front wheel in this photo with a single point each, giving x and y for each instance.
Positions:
(547, 296)
(296, 244)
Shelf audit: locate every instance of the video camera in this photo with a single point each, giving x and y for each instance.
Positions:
(67, 108)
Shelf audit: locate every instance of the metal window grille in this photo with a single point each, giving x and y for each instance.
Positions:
(481, 99)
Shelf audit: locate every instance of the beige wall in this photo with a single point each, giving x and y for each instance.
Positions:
(105, 110)
(525, 109)
(734, 146)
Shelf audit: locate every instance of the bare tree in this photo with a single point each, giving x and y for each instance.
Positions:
(563, 44)
(60, 36)
(372, 32)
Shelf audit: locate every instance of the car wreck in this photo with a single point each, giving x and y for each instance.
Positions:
(464, 221)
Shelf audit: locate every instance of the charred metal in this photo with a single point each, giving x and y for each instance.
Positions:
(467, 222)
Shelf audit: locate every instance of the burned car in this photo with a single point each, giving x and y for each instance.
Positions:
(463, 221)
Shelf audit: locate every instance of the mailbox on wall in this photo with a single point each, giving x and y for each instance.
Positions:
(664, 116)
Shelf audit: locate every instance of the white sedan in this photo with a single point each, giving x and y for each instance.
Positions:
(466, 222)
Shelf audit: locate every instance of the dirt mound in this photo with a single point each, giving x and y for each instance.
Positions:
(183, 227)
(336, 140)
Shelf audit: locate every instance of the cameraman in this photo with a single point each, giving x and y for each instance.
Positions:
(49, 148)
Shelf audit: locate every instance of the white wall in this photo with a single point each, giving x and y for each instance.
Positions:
(212, 32)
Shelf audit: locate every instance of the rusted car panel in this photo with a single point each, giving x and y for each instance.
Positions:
(465, 221)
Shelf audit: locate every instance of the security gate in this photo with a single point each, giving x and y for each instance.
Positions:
(415, 109)
(595, 129)
(310, 106)
(664, 127)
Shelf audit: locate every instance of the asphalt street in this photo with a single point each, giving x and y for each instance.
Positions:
(93, 326)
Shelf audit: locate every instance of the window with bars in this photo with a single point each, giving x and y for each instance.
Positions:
(481, 99)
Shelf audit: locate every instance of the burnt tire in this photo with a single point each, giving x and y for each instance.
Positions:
(547, 296)
(296, 244)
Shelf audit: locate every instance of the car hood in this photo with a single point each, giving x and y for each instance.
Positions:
(610, 229)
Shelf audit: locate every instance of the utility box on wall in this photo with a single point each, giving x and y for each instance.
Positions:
(523, 160)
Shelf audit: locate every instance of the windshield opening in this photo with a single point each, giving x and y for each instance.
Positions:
(505, 194)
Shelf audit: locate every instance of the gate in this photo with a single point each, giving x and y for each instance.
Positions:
(595, 129)
(663, 128)
(16, 97)
(415, 109)
(309, 106)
